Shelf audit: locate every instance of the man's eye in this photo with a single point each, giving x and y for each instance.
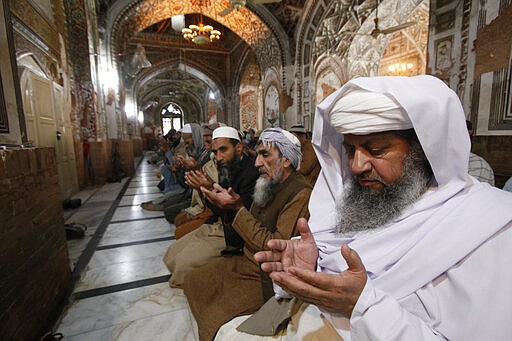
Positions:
(350, 150)
(376, 151)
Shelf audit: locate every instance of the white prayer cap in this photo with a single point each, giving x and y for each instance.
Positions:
(362, 112)
(228, 132)
(187, 129)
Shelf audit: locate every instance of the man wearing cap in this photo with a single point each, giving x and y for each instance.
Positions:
(236, 172)
(193, 141)
(187, 208)
(310, 167)
(402, 243)
(231, 286)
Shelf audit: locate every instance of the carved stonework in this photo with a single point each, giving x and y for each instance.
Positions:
(249, 97)
(31, 17)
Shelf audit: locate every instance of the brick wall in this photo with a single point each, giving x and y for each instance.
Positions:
(492, 48)
(497, 150)
(33, 252)
(99, 168)
(492, 45)
(137, 147)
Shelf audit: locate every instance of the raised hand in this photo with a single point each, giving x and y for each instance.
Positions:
(336, 293)
(197, 179)
(300, 253)
(223, 198)
(292, 266)
(190, 163)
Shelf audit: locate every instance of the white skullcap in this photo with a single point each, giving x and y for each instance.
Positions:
(187, 129)
(361, 112)
(228, 132)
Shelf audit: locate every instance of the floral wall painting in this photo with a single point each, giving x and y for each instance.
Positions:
(444, 53)
(326, 83)
(272, 115)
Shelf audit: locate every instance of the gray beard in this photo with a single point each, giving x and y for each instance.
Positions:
(264, 190)
(360, 209)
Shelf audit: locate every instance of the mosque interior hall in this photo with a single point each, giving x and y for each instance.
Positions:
(88, 88)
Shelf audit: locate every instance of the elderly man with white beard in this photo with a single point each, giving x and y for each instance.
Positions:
(233, 286)
(418, 249)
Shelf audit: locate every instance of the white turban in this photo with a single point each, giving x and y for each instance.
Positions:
(362, 112)
(286, 142)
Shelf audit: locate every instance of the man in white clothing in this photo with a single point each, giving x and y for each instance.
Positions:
(418, 249)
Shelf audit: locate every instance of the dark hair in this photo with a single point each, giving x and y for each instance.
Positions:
(234, 142)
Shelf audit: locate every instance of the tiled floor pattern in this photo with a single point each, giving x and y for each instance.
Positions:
(121, 290)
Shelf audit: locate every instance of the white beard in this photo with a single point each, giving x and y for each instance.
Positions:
(360, 209)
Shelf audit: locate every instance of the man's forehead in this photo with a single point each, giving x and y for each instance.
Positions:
(262, 147)
(221, 141)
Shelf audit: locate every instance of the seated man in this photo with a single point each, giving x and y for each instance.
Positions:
(232, 286)
(202, 161)
(201, 246)
(192, 217)
(425, 248)
(192, 137)
(309, 167)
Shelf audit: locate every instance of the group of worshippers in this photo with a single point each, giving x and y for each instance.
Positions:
(396, 241)
(253, 201)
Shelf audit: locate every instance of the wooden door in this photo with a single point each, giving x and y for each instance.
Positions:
(49, 125)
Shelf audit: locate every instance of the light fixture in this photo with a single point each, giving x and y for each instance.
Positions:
(200, 34)
(403, 63)
(400, 68)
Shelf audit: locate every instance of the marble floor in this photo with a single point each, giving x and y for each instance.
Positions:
(121, 290)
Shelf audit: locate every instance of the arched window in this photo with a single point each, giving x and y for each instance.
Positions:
(172, 117)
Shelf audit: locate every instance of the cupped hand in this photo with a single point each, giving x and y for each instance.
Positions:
(197, 179)
(223, 198)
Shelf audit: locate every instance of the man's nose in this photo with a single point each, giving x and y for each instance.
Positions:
(360, 163)
(257, 162)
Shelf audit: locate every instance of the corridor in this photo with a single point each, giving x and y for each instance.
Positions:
(121, 290)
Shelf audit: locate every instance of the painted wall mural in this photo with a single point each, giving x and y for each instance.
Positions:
(272, 114)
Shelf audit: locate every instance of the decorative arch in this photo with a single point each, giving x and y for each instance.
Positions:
(200, 104)
(136, 15)
(31, 62)
(328, 76)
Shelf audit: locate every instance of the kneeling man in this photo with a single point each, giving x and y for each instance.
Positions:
(402, 243)
(233, 286)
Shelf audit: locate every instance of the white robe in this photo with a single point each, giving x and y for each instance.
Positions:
(425, 267)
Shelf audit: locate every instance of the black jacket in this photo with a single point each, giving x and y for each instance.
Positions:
(243, 184)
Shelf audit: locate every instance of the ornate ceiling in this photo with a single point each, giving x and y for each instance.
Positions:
(268, 34)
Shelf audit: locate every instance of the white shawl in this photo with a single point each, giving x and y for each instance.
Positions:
(444, 226)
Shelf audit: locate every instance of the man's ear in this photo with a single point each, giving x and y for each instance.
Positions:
(286, 163)
(239, 147)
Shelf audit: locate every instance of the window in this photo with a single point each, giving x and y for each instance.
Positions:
(171, 117)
